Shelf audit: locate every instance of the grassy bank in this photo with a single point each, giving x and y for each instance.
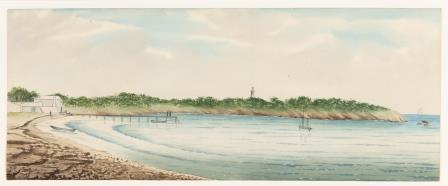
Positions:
(387, 115)
(332, 108)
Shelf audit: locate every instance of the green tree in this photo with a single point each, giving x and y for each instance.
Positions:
(62, 96)
(303, 102)
(206, 102)
(19, 94)
(254, 102)
(276, 103)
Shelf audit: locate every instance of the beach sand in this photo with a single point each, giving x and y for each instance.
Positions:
(33, 154)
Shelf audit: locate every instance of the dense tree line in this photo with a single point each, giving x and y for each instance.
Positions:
(124, 99)
(300, 103)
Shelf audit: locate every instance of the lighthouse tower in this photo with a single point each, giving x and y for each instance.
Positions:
(252, 92)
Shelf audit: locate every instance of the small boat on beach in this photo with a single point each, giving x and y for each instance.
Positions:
(62, 129)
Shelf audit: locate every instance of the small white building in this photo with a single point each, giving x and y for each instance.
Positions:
(42, 104)
(49, 103)
(30, 107)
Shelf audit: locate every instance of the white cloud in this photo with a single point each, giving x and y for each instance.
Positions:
(63, 26)
(287, 23)
(159, 53)
(222, 40)
(311, 43)
(202, 16)
(100, 28)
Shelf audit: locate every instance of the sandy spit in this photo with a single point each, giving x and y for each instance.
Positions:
(33, 154)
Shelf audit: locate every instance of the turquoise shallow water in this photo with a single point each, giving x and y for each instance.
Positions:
(272, 148)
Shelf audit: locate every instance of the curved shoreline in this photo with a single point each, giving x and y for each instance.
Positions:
(34, 154)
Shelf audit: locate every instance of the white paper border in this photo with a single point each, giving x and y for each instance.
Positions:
(36, 4)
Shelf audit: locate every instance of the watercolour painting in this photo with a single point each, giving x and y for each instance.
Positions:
(309, 94)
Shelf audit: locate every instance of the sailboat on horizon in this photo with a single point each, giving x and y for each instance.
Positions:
(422, 121)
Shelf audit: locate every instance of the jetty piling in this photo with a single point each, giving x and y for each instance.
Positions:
(166, 118)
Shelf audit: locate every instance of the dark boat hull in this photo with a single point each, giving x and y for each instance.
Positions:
(62, 129)
(157, 121)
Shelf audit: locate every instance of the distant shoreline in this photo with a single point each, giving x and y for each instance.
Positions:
(383, 115)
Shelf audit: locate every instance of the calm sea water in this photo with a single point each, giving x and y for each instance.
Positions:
(272, 148)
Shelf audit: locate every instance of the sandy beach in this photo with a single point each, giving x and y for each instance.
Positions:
(33, 154)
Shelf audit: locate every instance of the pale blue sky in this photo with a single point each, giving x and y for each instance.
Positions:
(389, 57)
(165, 28)
(169, 27)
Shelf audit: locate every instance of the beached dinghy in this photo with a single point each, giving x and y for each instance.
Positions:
(62, 129)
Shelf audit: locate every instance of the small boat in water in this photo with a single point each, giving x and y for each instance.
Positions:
(158, 121)
(305, 125)
(62, 129)
(305, 128)
(422, 122)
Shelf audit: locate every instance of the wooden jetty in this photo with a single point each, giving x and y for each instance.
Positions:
(304, 123)
(163, 117)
